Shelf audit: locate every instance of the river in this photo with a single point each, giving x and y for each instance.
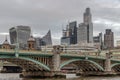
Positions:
(15, 76)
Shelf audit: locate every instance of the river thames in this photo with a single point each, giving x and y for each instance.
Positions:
(15, 76)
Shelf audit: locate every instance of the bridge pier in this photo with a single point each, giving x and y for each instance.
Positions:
(56, 58)
(108, 63)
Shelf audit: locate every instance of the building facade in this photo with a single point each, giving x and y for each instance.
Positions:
(70, 34)
(65, 40)
(98, 41)
(73, 32)
(47, 40)
(82, 33)
(85, 29)
(38, 42)
(109, 39)
(31, 43)
(118, 43)
(20, 34)
(6, 44)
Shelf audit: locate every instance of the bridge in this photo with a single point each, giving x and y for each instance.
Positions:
(38, 63)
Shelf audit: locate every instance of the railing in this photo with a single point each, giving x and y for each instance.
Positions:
(7, 50)
(116, 53)
(23, 51)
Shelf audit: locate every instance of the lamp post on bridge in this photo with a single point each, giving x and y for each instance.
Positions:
(17, 47)
(86, 55)
(17, 50)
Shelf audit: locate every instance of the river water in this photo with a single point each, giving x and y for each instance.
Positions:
(15, 76)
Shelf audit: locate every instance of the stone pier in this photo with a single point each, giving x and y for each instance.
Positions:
(108, 62)
(56, 58)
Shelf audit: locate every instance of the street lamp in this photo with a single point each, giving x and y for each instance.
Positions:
(17, 46)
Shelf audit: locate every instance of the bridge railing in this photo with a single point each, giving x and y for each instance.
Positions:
(7, 50)
(25, 51)
(86, 53)
(115, 56)
(116, 53)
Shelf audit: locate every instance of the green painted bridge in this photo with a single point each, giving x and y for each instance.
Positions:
(35, 63)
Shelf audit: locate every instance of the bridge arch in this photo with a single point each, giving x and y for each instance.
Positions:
(28, 59)
(74, 60)
(115, 64)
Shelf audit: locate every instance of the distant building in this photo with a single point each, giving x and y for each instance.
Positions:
(31, 43)
(109, 39)
(70, 34)
(38, 42)
(66, 40)
(118, 44)
(44, 41)
(73, 32)
(6, 44)
(85, 29)
(20, 34)
(47, 40)
(82, 34)
(98, 41)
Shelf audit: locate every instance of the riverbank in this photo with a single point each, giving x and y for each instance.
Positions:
(14, 76)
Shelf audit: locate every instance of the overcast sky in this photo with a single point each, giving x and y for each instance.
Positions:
(42, 15)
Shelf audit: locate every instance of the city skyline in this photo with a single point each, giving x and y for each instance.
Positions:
(43, 15)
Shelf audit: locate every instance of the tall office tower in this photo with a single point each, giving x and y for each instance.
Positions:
(70, 34)
(73, 32)
(87, 26)
(82, 33)
(47, 38)
(87, 16)
(109, 39)
(20, 34)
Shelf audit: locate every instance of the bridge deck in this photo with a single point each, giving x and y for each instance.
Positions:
(89, 54)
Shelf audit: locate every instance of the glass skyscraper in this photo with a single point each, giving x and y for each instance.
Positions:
(70, 34)
(20, 34)
(85, 29)
(47, 38)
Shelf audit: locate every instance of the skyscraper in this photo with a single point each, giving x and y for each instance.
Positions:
(73, 32)
(70, 34)
(20, 34)
(47, 38)
(109, 39)
(44, 41)
(82, 33)
(85, 29)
